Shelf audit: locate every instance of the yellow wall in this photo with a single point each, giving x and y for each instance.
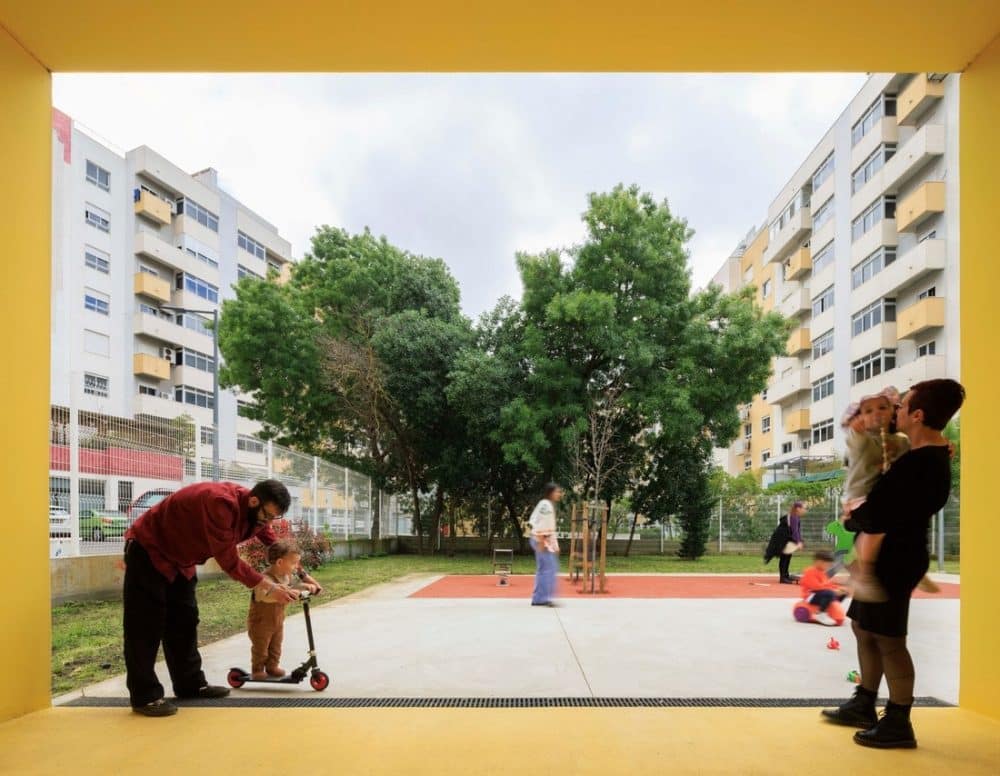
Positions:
(980, 173)
(25, 222)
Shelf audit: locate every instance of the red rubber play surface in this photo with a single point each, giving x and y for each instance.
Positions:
(728, 586)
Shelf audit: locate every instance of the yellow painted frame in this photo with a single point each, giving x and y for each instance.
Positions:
(449, 35)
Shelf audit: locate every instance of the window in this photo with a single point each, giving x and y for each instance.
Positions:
(273, 266)
(871, 265)
(825, 171)
(786, 448)
(147, 390)
(763, 395)
(195, 323)
(931, 235)
(872, 365)
(244, 408)
(196, 212)
(823, 214)
(248, 444)
(195, 396)
(193, 358)
(822, 431)
(823, 302)
(765, 456)
(884, 106)
(96, 343)
(822, 344)
(250, 245)
(882, 311)
(747, 430)
(199, 250)
(98, 176)
(823, 388)
(928, 349)
(823, 258)
(871, 165)
(747, 464)
(96, 259)
(932, 291)
(149, 270)
(97, 218)
(883, 207)
(95, 385)
(197, 286)
(765, 424)
(96, 302)
(765, 290)
(798, 202)
(243, 272)
(207, 435)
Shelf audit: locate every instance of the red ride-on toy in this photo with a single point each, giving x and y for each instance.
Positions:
(803, 611)
(318, 680)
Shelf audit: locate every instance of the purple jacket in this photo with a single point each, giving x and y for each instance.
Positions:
(795, 525)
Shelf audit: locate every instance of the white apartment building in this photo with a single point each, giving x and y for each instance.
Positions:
(132, 237)
(864, 243)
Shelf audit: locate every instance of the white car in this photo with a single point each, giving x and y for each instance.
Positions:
(58, 521)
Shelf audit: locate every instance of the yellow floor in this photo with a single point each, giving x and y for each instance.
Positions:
(473, 741)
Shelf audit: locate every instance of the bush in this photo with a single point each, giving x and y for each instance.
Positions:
(315, 547)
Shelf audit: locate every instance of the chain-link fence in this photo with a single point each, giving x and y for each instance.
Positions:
(105, 471)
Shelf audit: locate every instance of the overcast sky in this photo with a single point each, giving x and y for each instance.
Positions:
(472, 168)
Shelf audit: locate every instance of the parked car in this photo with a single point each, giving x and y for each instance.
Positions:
(96, 525)
(58, 522)
(147, 500)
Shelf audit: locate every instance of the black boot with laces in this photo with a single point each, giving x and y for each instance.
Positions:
(858, 712)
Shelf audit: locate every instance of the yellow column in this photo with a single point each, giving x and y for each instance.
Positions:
(25, 220)
(980, 201)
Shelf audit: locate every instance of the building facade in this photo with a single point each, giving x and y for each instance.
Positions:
(861, 250)
(137, 243)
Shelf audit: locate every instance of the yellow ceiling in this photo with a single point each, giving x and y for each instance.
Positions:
(514, 35)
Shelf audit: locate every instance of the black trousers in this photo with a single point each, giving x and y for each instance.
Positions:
(156, 611)
(784, 561)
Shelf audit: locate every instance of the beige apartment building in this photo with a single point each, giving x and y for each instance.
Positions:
(861, 250)
(138, 244)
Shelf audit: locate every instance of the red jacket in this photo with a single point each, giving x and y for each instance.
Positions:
(813, 580)
(201, 521)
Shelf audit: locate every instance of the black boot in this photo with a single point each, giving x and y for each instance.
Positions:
(893, 730)
(858, 712)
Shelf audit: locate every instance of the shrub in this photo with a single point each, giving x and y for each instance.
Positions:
(315, 547)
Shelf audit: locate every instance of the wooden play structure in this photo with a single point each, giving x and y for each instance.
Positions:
(588, 547)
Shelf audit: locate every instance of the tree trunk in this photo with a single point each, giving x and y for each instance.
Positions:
(515, 524)
(376, 509)
(435, 531)
(454, 531)
(631, 533)
(416, 515)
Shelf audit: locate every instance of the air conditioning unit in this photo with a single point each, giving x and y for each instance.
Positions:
(165, 395)
(167, 353)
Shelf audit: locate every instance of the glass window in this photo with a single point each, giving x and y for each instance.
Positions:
(195, 323)
(95, 385)
(193, 358)
(822, 388)
(823, 258)
(872, 265)
(196, 212)
(875, 162)
(250, 245)
(147, 390)
(97, 218)
(932, 291)
(765, 424)
(928, 349)
(96, 302)
(825, 171)
(243, 272)
(248, 444)
(197, 286)
(207, 435)
(96, 259)
(823, 214)
(199, 250)
(765, 290)
(872, 365)
(244, 408)
(883, 207)
(98, 176)
(822, 344)
(786, 447)
(822, 431)
(194, 396)
(765, 456)
(823, 302)
(884, 105)
(883, 310)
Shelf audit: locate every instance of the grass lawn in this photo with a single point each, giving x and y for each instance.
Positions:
(86, 637)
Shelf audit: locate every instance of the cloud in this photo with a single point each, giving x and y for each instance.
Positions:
(472, 168)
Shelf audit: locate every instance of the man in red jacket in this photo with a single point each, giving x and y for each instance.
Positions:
(162, 549)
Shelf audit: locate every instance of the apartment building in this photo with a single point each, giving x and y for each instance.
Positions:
(142, 253)
(860, 249)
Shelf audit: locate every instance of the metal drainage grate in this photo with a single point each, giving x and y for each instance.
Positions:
(246, 702)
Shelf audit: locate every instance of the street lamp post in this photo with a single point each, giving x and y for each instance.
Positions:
(215, 380)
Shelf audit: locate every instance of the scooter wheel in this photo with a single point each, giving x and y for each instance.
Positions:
(319, 681)
(236, 678)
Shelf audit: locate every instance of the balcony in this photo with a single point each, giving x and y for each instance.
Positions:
(799, 264)
(926, 201)
(150, 366)
(917, 98)
(884, 232)
(926, 314)
(921, 149)
(885, 335)
(886, 131)
(152, 207)
(798, 342)
(788, 388)
(790, 237)
(162, 407)
(152, 247)
(926, 368)
(796, 303)
(796, 422)
(195, 378)
(149, 285)
(914, 265)
(170, 333)
(740, 447)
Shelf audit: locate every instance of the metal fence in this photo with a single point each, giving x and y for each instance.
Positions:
(104, 471)
(745, 524)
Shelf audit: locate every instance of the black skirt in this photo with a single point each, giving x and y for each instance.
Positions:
(885, 619)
